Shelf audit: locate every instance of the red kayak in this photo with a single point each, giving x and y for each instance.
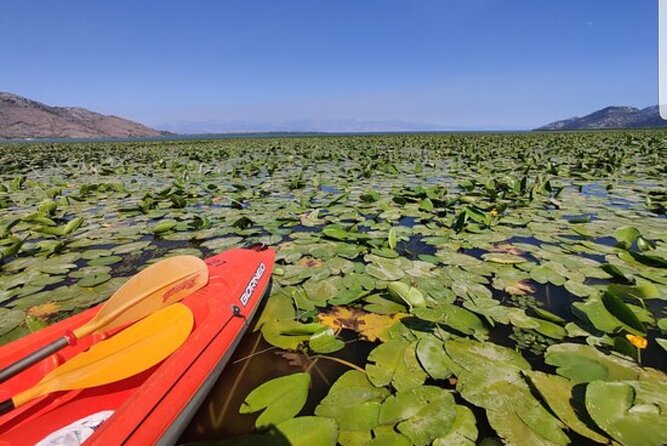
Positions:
(155, 406)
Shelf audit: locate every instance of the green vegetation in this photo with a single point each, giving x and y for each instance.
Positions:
(509, 281)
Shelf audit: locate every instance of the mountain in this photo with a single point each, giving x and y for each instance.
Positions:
(612, 118)
(24, 118)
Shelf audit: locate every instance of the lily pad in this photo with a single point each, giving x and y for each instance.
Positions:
(281, 399)
(624, 411)
(395, 362)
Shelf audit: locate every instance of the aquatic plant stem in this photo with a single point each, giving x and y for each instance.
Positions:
(341, 361)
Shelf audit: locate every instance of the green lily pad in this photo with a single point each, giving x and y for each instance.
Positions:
(422, 414)
(624, 411)
(325, 341)
(505, 259)
(281, 399)
(395, 362)
(583, 363)
(430, 352)
(10, 319)
(353, 401)
(557, 392)
(93, 280)
(385, 271)
(410, 295)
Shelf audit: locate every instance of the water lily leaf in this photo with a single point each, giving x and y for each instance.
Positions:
(105, 261)
(620, 409)
(355, 438)
(320, 291)
(325, 341)
(278, 307)
(643, 290)
(375, 327)
(337, 232)
(654, 260)
(389, 438)
(431, 355)
(468, 355)
(288, 334)
(506, 259)
(455, 317)
(623, 313)
(95, 253)
(131, 247)
(578, 288)
(594, 311)
(662, 324)
(549, 316)
(583, 363)
(550, 329)
(545, 274)
(514, 427)
(662, 343)
(282, 398)
(164, 226)
(9, 320)
(309, 431)
(391, 239)
(510, 406)
(93, 280)
(380, 305)
(395, 362)
(410, 295)
(353, 401)
(463, 432)
(385, 271)
(359, 281)
(43, 310)
(617, 273)
(339, 265)
(35, 323)
(422, 414)
(557, 392)
(626, 236)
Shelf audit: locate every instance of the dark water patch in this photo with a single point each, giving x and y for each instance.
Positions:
(500, 334)
(527, 240)
(654, 355)
(409, 222)
(555, 299)
(302, 228)
(581, 218)
(594, 189)
(475, 252)
(330, 189)
(607, 241)
(414, 247)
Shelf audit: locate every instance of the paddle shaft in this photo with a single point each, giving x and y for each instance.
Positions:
(33, 358)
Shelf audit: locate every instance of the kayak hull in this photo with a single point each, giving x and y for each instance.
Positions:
(155, 406)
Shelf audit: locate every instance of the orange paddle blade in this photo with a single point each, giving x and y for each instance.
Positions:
(156, 287)
(129, 352)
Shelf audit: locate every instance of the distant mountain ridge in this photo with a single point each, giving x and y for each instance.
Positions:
(612, 118)
(24, 118)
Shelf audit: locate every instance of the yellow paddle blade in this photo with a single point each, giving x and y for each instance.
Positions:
(129, 352)
(156, 287)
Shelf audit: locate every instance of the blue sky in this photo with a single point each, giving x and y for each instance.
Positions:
(332, 65)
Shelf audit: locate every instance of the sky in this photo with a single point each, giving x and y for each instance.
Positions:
(332, 65)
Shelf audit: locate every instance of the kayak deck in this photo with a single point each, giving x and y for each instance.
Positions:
(155, 405)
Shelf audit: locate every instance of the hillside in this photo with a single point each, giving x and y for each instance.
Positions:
(24, 118)
(612, 118)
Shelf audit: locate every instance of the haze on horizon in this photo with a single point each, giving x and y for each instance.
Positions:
(375, 65)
